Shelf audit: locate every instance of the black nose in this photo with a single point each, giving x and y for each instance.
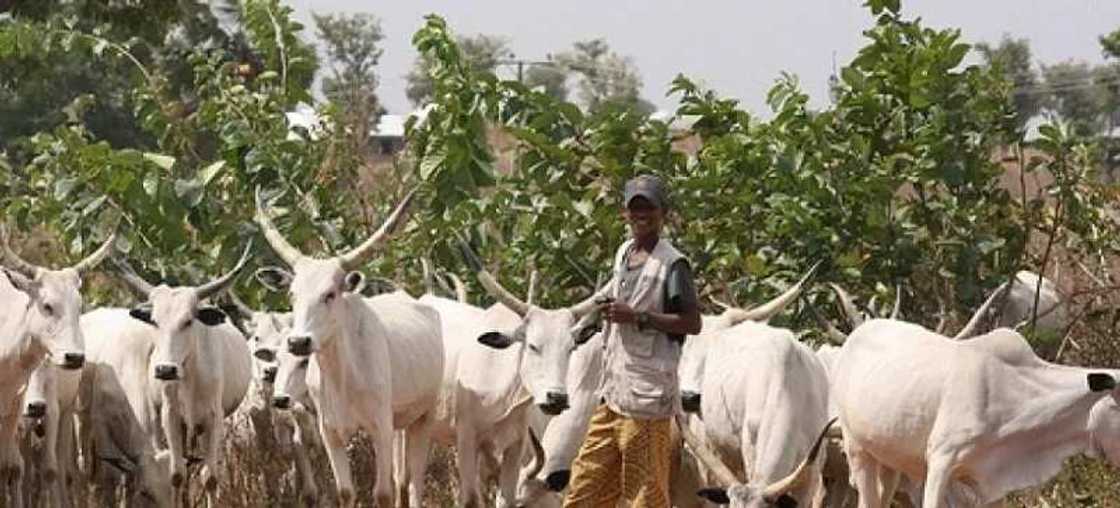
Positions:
(36, 409)
(265, 354)
(281, 402)
(558, 480)
(167, 372)
(270, 374)
(73, 361)
(555, 403)
(690, 402)
(299, 345)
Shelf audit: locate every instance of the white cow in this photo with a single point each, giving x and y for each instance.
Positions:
(202, 365)
(118, 408)
(765, 399)
(49, 404)
(372, 368)
(1016, 308)
(271, 426)
(39, 319)
(501, 384)
(972, 420)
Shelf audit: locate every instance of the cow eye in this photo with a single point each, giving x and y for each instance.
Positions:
(48, 309)
(329, 298)
(534, 348)
(186, 324)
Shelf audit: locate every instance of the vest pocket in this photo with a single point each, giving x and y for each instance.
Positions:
(647, 385)
(637, 343)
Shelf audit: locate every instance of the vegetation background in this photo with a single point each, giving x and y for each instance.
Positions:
(169, 116)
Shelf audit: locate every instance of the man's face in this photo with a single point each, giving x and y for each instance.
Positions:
(643, 216)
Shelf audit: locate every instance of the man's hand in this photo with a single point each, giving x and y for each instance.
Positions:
(618, 312)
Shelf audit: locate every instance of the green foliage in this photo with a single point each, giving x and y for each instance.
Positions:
(1012, 59)
(1073, 97)
(605, 79)
(1110, 44)
(551, 78)
(480, 52)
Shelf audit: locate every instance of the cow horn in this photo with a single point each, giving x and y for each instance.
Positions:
(245, 311)
(706, 455)
(429, 281)
(721, 304)
(136, 282)
(801, 474)
(99, 255)
(460, 288)
(489, 283)
(769, 309)
(897, 310)
(353, 260)
(14, 261)
(288, 253)
(848, 305)
(970, 328)
(216, 286)
(533, 279)
(834, 335)
(537, 465)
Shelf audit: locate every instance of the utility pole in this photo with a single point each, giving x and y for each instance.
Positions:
(521, 63)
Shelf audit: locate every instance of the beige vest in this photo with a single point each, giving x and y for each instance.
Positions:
(640, 379)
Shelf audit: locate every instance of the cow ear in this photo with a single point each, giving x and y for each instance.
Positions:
(275, 279)
(1101, 382)
(210, 316)
(22, 283)
(714, 495)
(355, 282)
(142, 313)
(586, 333)
(496, 340)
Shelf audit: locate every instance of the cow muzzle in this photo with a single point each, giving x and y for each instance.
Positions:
(166, 372)
(281, 402)
(690, 402)
(35, 409)
(299, 345)
(73, 361)
(270, 374)
(555, 403)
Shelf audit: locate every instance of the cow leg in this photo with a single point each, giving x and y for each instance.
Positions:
(68, 467)
(400, 468)
(937, 482)
(50, 470)
(383, 457)
(890, 480)
(302, 441)
(212, 473)
(335, 443)
(466, 447)
(864, 471)
(173, 429)
(419, 445)
(507, 475)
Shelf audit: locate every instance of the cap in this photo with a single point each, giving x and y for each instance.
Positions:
(646, 186)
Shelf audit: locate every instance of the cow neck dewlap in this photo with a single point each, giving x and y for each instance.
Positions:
(353, 341)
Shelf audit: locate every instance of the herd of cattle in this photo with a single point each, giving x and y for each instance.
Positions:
(137, 396)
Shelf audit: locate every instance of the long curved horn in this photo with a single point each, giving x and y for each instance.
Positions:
(970, 328)
(769, 309)
(534, 277)
(834, 335)
(12, 260)
(217, 285)
(353, 260)
(287, 253)
(426, 269)
(706, 455)
(460, 288)
(721, 304)
(136, 282)
(897, 310)
(848, 305)
(99, 255)
(799, 475)
(537, 464)
(502, 294)
(239, 304)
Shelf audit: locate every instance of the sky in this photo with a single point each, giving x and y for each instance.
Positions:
(738, 48)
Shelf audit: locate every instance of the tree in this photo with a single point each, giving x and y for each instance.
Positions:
(1012, 59)
(552, 79)
(1073, 96)
(1110, 43)
(352, 47)
(605, 78)
(481, 53)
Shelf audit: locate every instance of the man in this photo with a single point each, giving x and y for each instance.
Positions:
(626, 455)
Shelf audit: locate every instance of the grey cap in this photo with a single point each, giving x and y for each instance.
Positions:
(646, 186)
